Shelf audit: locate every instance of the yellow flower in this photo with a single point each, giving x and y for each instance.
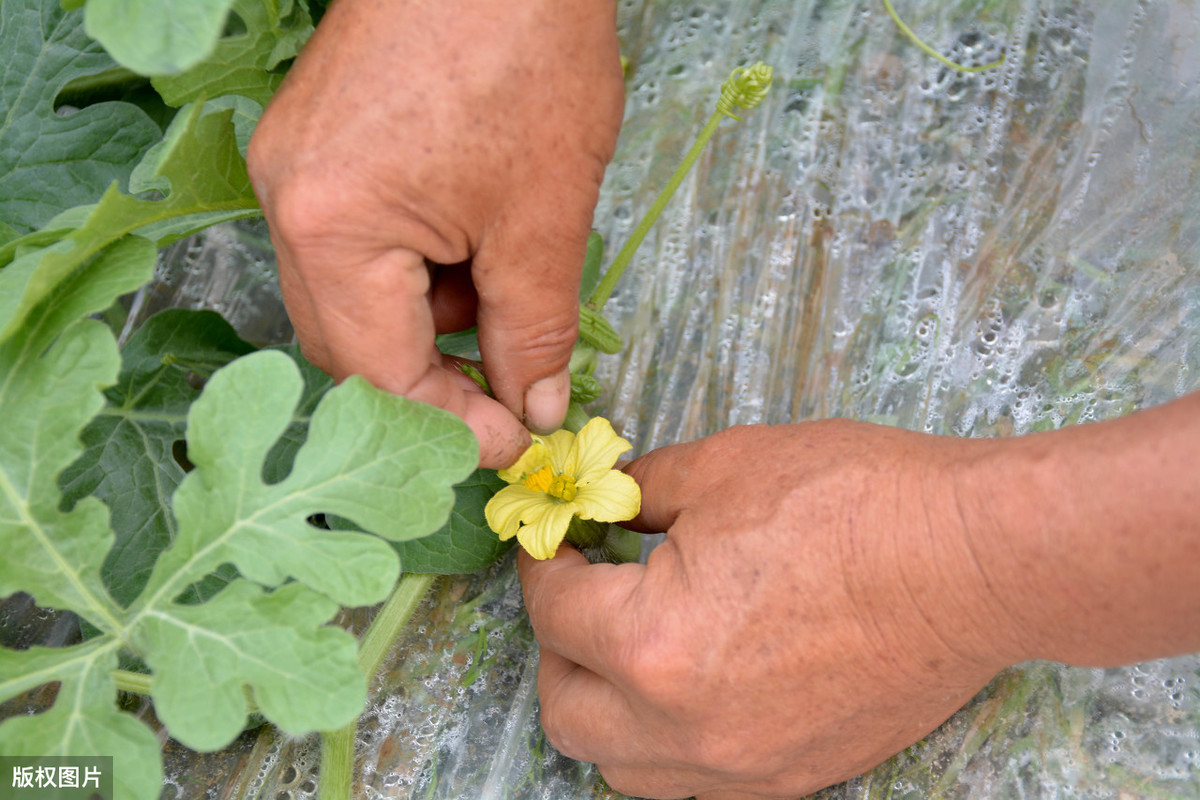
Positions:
(561, 476)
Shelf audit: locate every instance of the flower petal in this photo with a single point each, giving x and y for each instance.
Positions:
(536, 456)
(613, 497)
(596, 449)
(513, 506)
(559, 446)
(542, 537)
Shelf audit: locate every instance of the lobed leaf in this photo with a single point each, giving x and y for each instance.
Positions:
(84, 719)
(384, 461)
(380, 460)
(54, 555)
(51, 161)
(303, 673)
(207, 175)
(52, 370)
(129, 459)
(245, 63)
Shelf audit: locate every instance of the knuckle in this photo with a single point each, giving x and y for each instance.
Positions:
(300, 211)
(558, 731)
(734, 757)
(549, 340)
(661, 669)
(555, 334)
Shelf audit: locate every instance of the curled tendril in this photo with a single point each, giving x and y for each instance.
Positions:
(907, 31)
(746, 88)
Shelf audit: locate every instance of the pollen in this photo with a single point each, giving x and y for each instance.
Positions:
(544, 480)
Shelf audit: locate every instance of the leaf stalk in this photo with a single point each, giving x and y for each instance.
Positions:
(337, 747)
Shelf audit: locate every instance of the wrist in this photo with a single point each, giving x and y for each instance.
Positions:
(1092, 540)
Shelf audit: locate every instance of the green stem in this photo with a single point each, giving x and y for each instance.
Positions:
(337, 763)
(604, 289)
(391, 620)
(141, 684)
(337, 747)
(907, 31)
(133, 682)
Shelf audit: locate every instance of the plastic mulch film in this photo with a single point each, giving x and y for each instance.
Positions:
(884, 239)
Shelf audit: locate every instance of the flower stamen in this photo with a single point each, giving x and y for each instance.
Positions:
(540, 480)
(546, 481)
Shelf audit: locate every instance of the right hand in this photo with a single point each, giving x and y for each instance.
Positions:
(831, 591)
(427, 166)
(815, 608)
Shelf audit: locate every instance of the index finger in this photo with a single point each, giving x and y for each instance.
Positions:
(583, 612)
(372, 317)
(661, 474)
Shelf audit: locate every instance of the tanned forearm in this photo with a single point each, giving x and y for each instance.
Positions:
(1094, 537)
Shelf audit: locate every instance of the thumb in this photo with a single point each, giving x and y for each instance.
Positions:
(528, 318)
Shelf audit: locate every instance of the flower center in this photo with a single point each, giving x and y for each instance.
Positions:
(560, 486)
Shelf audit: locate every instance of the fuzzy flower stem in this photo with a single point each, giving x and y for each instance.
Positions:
(745, 88)
(337, 763)
(907, 31)
(337, 747)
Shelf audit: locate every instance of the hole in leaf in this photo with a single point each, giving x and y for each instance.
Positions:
(234, 26)
(318, 521)
(179, 453)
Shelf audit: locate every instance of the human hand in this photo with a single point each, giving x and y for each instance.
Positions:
(816, 607)
(430, 165)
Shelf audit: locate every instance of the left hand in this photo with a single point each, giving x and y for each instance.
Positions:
(427, 166)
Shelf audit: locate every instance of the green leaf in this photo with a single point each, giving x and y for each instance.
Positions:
(464, 344)
(157, 37)
(148, 174)
(51, 372)
(386, 462)
(303, 673)
(316, 384)
(50, 162)
(84, 719)
(465, 543)
(128, 460)
(245, 63)
(246, 114)
(206, 175)
(39, 306)
(382, 461)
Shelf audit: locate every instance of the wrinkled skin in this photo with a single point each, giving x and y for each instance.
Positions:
(828, 593)
(430, 165)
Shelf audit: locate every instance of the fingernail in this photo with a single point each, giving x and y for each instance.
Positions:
(546, 403)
